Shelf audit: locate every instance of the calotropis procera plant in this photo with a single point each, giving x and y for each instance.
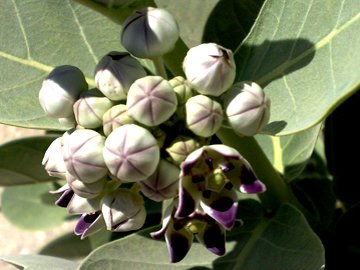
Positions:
(161, 129)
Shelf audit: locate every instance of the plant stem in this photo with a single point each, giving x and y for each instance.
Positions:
(277, 191)
(159, 67)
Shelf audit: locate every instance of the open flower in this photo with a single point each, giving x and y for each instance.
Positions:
(179, 234)
(209, 179)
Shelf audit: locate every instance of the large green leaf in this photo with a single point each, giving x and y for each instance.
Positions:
(32, 207)
(20, 161)
(307, 55)
(284, 242)
(289, 154)
(38, 35)
(39, 262)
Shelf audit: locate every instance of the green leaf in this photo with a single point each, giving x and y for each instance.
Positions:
(32, 207)
(39, 262)
(230, 21)
(289, 154)
(20, 161)
(306, 54)
(39, 35)
(284, 242)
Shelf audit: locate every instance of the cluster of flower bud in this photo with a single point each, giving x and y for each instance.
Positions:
(138, 134)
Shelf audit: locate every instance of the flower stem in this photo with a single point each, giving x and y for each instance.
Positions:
(159, 67)
(277, 191)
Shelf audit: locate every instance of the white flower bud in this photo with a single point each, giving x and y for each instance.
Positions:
(123, 210)
(163, 184)
(115, 73)
(181, 147)
(115, 117)
(131, 153)
(204, 116)
(210, 68)
(149, 33)
(68, 122)
(182, 89)
(53, 160)
(85, 190)
(60, 89)
(247, 108)
(90, 108)
(151, 100)
(83, 158)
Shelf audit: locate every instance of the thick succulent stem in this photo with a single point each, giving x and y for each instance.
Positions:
(159, 67)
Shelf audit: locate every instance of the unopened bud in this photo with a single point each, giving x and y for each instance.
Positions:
(131, 153)
(182, 89)
(60, 90)
(82, 152)
(204, 116)
(115, 117)
(53, 160)
(115, 73)
(151, 100)
(181, 147)
(210, 68)
(123, 210)
(90, 108)
(86, 190)
(149, 33)
(247, 108)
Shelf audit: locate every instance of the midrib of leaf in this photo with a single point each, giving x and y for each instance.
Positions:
(255, 236)
(318, 45)
(22, 29)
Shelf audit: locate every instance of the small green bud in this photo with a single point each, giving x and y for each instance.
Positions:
(90, 108)
(210, 69)
(82, 151)
(123, 210)
(182, 89)
(151, 100)
(204, 116)
(149, 33)
(115, 117)
(247, 108)
(131, 153)
(115, 73)
(181, 147)
(60, 90)
(163, 183)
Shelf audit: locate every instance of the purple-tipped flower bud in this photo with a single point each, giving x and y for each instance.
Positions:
(247, 108)
(204, 116)
(131, 153)
(210, 68)
(53, 160)
(182, 89)
(163, 184)
(151, 100)
(149, 33)
(82, 152)
(115, 117)
(90, 108)
(86, 190)
(60, 90)
(123, 210)
(115, 73)
(181, 147)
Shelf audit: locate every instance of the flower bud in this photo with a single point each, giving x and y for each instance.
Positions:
(90, 108)
(53, 160)
(68, 122)
(247, 108)
(149, 33)
(151, 100)
(123, 210)
(163, 184)
(131, 153)
(181, 147)
(60, 89)
(86, 190)
(182, 89)
(115, 117)
(82, 151)
(204, 116)
(115, 73)
(210, 68)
